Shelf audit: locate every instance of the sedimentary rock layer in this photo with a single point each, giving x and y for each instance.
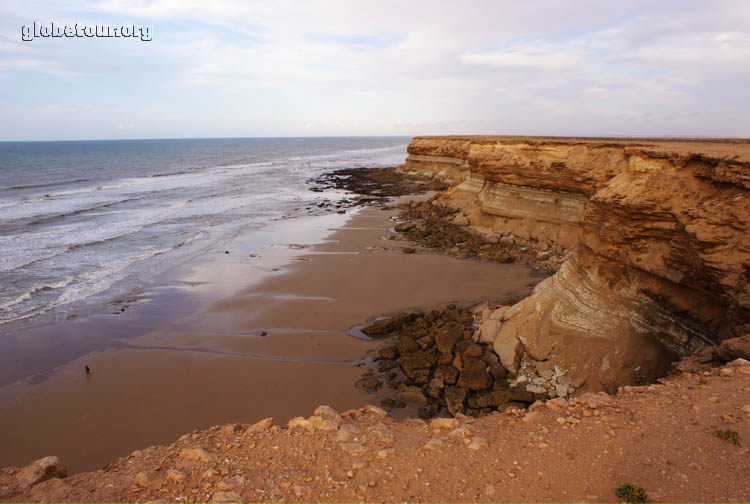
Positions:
(656, 236)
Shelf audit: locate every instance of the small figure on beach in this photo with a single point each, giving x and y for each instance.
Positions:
(87, 370)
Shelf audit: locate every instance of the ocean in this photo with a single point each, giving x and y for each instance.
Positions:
(85, 222)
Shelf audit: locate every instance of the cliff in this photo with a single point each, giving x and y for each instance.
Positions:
(649, 238)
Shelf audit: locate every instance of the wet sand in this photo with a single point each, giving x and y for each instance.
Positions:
(231, 338)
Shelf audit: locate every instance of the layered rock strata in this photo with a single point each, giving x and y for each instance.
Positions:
(655, 236)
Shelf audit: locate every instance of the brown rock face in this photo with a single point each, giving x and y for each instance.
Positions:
(656, 240)
(41, 470)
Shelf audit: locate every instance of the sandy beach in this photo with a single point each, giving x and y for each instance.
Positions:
(264, 330)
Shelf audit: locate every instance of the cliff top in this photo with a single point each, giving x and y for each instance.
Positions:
(736, 149)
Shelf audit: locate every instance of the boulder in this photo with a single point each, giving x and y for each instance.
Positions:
(41, 470)
(508, 347)
(734, 348)
(488, 331)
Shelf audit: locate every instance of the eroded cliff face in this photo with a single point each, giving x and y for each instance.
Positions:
(650, 239)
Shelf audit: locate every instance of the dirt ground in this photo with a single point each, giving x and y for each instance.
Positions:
(661, 437)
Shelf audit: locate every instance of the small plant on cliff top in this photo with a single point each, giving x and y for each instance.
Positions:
(631, 492)
(729, 435)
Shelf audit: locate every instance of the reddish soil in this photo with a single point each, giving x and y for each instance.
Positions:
(661, 437)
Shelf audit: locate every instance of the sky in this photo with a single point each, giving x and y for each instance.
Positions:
(226, 68)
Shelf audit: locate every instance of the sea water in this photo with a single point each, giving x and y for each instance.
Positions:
(83, 222)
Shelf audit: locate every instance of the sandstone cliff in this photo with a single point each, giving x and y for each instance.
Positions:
(650, 239)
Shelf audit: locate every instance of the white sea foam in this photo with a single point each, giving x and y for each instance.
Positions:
(105, 228)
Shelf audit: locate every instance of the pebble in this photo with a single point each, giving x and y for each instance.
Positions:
(299, 490)
(226, 497)
(532, 417)
(141, 479)
(353, 448)
(261, 426)
(298, 422)
(198, 454)
(231, 483)
(176, 475)
(434, 444)
(444, 423)
(326, 412)
(346, 431)
(478, 443)
(726, 372)
(320, 423)
(385, 452)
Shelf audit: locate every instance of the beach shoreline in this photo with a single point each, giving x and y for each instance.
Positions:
(233, 337)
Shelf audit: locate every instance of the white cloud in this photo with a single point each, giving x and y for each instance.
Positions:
(275, 68)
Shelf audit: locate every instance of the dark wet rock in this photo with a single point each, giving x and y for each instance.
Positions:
(389, 352)
(473, 351)
(446, 373)
(475, 374)
(406, 345)
(369, 384)
(498, 371)
(411, 394)
(419, 359)
(388, 325)
(425, 342)
(454, 399)
(447, 336)
(434, 387)
(519, 393)
(386, 365)
(392, 403)
(492, 398)
(420, 376)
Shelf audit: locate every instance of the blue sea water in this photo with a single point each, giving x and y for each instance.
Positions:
(83, 222)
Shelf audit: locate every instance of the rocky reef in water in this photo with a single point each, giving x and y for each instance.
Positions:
(649, 240)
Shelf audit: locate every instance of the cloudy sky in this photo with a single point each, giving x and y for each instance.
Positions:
(226, 68)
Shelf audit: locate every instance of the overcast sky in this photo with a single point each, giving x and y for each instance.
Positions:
(307, 68)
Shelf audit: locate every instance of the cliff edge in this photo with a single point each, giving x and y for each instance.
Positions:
(649, 239)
